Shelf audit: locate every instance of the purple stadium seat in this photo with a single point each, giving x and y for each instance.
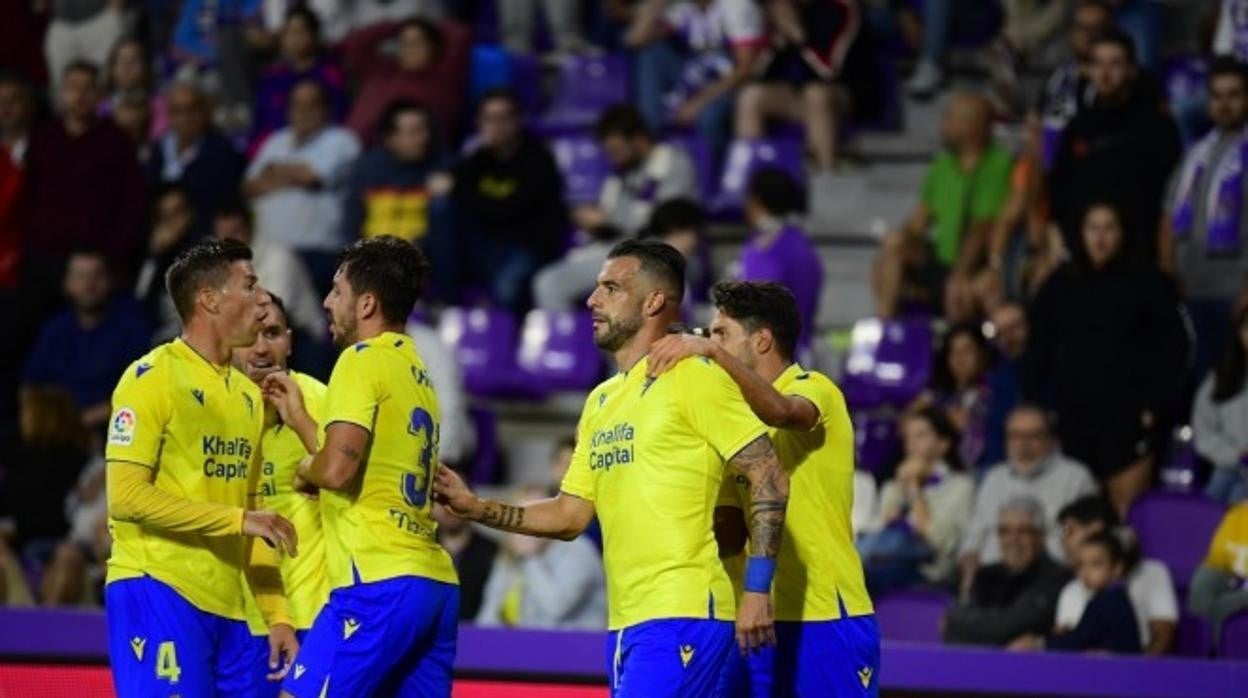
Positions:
(1175, 528)
(557, 349)
(876, 442)
(700, 154)
(587, 86)
(1234, 641)
(913, 615)
(484, 340)
(583, 165)
(1193, 638)
(745, 156)
(889, 362)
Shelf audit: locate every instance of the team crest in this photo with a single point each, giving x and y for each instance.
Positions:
(121, 429)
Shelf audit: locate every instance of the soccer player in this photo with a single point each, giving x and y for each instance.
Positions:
(183, 476)
(290, 414)
(389, 626)
(649, 461)
(828, 641)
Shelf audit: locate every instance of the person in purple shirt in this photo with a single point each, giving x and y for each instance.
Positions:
(301, 57)
(778, 249)
(84, 348)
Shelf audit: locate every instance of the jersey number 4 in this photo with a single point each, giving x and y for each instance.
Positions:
(416, 485)
(167, 662)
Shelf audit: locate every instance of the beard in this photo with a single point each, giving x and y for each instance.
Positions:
(617, 332)
(344, 331)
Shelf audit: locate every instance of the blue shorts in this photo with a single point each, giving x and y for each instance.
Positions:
(160, 645)
(260, 664)
(831, 658)
(670, 657)
(395, 637)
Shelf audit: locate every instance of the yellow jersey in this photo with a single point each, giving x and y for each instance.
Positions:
(198, 427)
(650, 456)
(1229, 550)
(818, 568)
(304, 577)
(379, 526)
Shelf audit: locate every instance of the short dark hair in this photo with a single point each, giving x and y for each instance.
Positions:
(431, 30)
(234, 207)
(1228, 65)
(390, 117)
(759, 304)
(945, 431)
(1111, 544)
(388, 267)
(504, 94)
(659, 260)
(621, 120)
(1121, 39)
(675, 214)
(307, 15)
(776, 191)
(321, 95)
(942, 378)
(206, 264)
(1098, 4)
(1088, 509)
(79, 65)
(278, 303)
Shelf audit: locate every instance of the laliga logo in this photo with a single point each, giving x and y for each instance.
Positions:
(122, 431)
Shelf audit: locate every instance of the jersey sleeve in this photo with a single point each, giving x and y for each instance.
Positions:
(140, 415)
(820, 393)
(352, 393)
(313, 403)
(578, 481)
(715, 407)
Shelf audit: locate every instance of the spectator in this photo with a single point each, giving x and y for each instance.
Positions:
(681, 223)
(77, 558)
(130, 79)
(473, 555)
(457, 436)
(1035, 470)
(300, 57)
(90, 162)
(14, 592)
(1143, 21)
(1148, 581)
(960, 388)
(1068, 89)
(172, 222)
(508, 200)
(17, 113)
(297, 183)
(1016, 595)
(1028, 36)
(196, 156)
(719, 42)
(1220, 418)
(429, 68)
(823, 67)
(132, 114)
(778, 249)
(217, 40)
(1207, 220)
(279, 271)
(923, 509)
(644, 174)
(947, 233)
(399, 189)
(943, 20)
(1005, 380)
(365, 15)
(543, 583)
(84, 348)
(1121, 149)
(83, 30)
(1107, 342)
(516, 20)
(1108, 622)
(53, 449)
(1220, 585)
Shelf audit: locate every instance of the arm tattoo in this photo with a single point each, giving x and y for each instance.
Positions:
(504, 517)
(769, 495)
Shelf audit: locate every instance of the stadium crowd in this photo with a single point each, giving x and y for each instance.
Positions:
(1089, 284)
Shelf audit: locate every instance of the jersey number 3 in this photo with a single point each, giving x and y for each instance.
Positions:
(415, 485)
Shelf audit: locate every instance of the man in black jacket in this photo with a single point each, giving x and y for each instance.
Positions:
(1122, 149)
(1016, 596)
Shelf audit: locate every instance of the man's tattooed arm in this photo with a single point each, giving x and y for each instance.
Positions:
(769, 494)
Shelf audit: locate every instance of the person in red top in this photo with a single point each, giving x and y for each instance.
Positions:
(17, 111)
(429, 68)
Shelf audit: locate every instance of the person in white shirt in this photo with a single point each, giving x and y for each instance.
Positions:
(1034, 468)
(1148, 581)
(297, 183)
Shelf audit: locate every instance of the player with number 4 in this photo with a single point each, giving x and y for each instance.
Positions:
(389, 627)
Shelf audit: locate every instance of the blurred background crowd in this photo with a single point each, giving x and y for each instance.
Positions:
(1015, 230)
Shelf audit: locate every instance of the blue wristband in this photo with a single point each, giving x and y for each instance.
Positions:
(758, 574)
